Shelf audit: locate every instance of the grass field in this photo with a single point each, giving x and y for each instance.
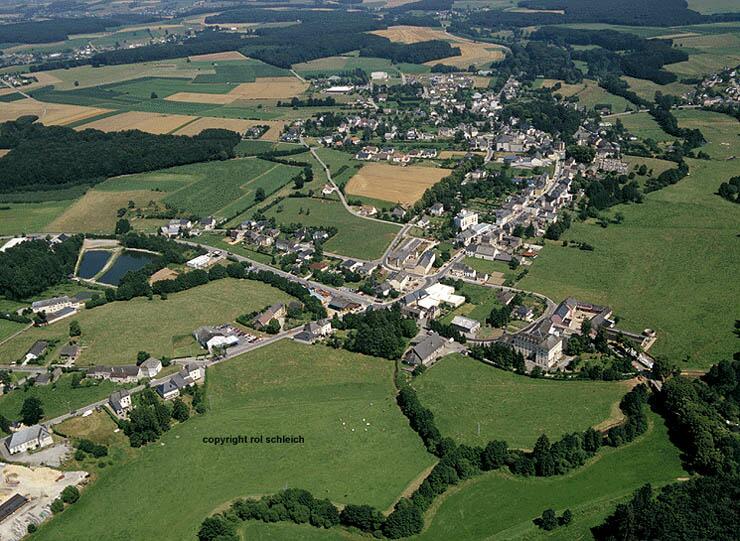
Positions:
(221, 188)
(501, 506)
(285, 389)
(29, 217)
(392, 183)
(57, 398)
(462, 392)
(342, 165)
(589, 94)
(643, 125)
(87, 76)
(683, 238)
(356, 237)
(647, 89)
(116, 332)
(95, 212)
(8, 328)
(707, 53)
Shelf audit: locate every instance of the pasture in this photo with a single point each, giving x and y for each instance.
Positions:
(8, 328)
(221, 188)
(682, 238)
(214, 57)
(116, 332)
(356, 237)
(647, 89)
(88, 76)
(57, 398)
(341, 403)
(498, 505)
(16, 218)
(392, 183)
(644, 126)
(342, 165)
(471, 52)
(463, 393)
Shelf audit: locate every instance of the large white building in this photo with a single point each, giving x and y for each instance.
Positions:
(33, 437)
(465, 219)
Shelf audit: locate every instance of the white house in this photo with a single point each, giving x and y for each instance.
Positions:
(151, 367)
(120, 402)
(465, 219)
(33, 437)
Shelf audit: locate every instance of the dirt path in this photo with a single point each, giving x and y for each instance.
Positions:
(411, 487)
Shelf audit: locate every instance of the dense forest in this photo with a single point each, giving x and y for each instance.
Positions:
(33, 266)
(617, 53)
(50, 157)
(208, 41)
(61, 29)
(702, 416)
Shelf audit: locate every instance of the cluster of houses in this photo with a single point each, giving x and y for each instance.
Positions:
(719, 89)
(263, 234)
(412, 255)
(391, 155)
(182, 227)
(120, 401)
(128, 373)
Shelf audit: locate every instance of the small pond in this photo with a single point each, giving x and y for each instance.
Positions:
(127, 261)
(93, 262)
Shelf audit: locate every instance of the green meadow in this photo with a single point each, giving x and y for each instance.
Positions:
(57, 398)
(357, 447)
(116, 332)
(356, 237)
(17, 218)
(499, 505)
(466, 396)
(671, 264)
(222, 188)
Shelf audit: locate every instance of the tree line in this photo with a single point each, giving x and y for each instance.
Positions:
(50, 157)
(59, 29)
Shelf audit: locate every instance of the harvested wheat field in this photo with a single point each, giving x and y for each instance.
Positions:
(3, 151)
(270, 88)
(136, 120)
(234, 124)
(199, 97)
(263, 88)
(394, 183)
(48, 113)
(215, 57)
(471, 52)
(95, 212)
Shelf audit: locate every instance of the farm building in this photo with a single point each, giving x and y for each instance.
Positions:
(33, 437)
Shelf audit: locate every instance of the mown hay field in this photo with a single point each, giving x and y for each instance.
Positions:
(215, 57)
(393, 183)
(234, 124)
(156, 123)
(48, 113)
(471, 52)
